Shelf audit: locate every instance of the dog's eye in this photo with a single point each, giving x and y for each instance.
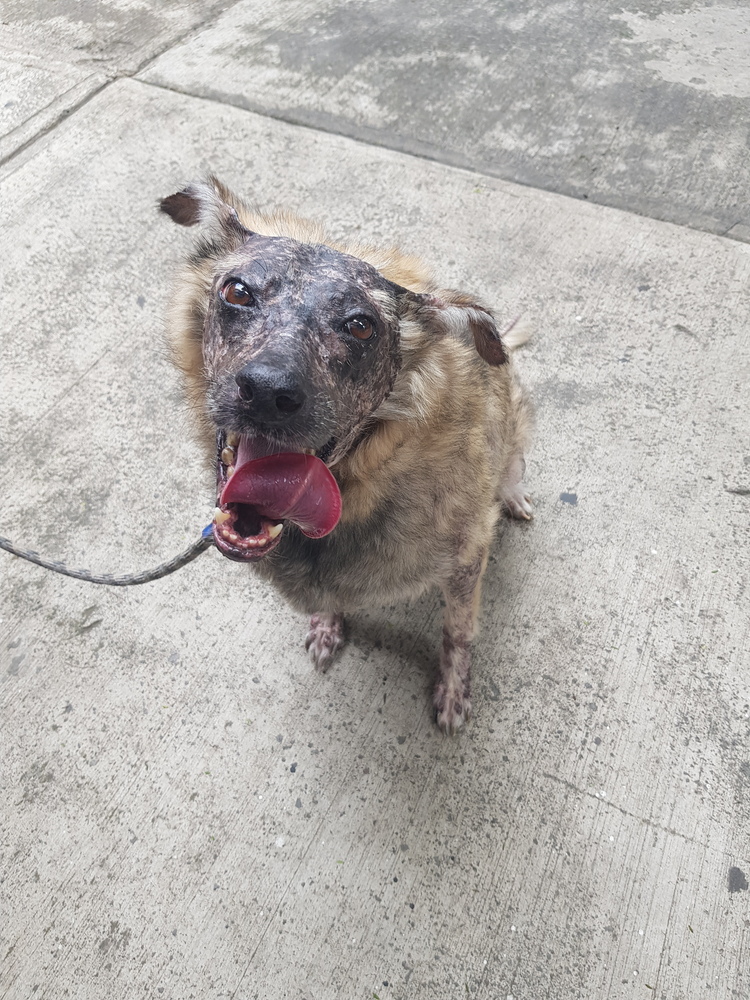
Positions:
(237, 294)
(360, 327)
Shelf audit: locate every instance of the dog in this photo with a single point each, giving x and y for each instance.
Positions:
(366, 426)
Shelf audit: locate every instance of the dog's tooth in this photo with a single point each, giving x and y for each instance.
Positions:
(275, 530)
(220, 516)
(232, 439)
(252, 542)
(233, 536)
(230, 471)
(261, 541)
(228, 456)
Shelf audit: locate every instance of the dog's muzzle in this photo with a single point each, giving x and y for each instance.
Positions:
(260, 489)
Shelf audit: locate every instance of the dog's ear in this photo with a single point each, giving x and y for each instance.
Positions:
(458, 315)
(481, 323)
(209, 204)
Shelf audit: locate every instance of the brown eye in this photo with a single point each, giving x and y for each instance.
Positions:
(360, 327)
(237, 294)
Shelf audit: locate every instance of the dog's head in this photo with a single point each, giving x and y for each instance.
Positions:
(300, 345)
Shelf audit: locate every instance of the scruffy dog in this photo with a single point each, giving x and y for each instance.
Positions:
(366, 426)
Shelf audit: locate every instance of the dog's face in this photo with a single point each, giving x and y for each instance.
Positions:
(300, 346)
(300, 343)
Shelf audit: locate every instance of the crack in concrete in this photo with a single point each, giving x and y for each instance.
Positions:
(621, 809)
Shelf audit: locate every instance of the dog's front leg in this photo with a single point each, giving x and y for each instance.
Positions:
(325, 639)
(513, 495)
(462, 592)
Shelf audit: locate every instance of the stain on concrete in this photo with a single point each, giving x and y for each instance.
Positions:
(737, 880)
(492, 691)
(85, 625)
(570, 498)
(680, 328)
(34, 780)
(565, 394)
(15, 664)
(117, 938)
(707, 48)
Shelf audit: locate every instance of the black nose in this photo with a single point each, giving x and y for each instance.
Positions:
(273, 394)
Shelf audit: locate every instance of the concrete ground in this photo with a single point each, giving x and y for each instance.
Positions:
(189, 811)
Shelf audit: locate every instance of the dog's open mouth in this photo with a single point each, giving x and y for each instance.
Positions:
(260, 490)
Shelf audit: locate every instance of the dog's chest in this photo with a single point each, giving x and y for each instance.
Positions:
(368, 564)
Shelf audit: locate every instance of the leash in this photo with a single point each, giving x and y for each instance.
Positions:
(126, 580)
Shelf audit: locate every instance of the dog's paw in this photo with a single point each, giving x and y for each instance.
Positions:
(518, 503)
(324, 640)
(452, 707)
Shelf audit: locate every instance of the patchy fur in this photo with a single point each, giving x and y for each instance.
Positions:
(428, 422)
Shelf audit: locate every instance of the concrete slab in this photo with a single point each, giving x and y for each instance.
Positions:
(113, 38)
(188, 810)
(643, 108)
(54, 56)
(35, 97)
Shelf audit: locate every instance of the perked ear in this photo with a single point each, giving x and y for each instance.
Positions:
(209, 204)
(458, 315)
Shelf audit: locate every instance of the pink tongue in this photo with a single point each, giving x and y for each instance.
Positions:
(289, 487)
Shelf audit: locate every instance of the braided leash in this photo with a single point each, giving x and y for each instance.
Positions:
(126, 580)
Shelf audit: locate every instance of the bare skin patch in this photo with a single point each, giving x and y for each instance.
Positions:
(324, 639)
(326, 319)
(452, 695)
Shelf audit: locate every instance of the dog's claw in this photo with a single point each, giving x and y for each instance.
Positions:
(452, 709)
(324, 640)
(518, 505)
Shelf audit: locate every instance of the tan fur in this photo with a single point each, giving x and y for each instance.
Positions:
(446, 446)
